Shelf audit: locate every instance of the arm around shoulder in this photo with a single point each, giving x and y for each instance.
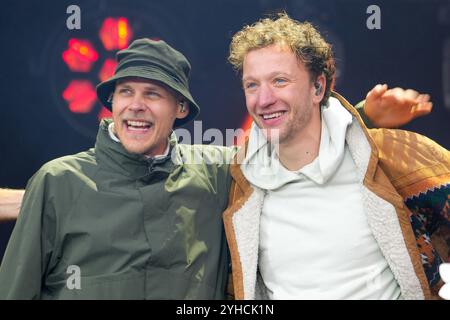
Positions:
(10, 203)
(30, 247)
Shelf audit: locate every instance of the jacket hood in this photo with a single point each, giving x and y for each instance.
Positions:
(263, 169)
(136, 166)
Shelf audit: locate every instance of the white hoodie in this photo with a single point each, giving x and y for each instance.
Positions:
(315, 242)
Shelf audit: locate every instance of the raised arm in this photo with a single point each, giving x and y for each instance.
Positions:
(393, 108)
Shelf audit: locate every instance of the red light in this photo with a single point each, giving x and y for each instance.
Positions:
(107, 70)
(247, 123)
(115, 33)
(80, 55)
(104, 113)
(80, 96)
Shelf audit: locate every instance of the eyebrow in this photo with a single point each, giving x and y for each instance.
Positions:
(122, 85)
(246, 79)
(147, 87)
(270, 75)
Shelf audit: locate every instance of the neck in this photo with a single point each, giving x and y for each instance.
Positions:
(158, 152)
(303, 147)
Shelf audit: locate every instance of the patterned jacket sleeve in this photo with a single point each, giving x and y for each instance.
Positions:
(419, 169)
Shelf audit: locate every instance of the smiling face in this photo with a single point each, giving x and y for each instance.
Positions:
(144, 112)
(279, 92)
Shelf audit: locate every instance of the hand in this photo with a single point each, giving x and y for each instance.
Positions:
(395, 107)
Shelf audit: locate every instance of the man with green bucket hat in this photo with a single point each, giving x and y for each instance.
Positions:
(127, 219)
(130, 218)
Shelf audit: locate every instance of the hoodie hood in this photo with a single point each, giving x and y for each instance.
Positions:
(262, 168)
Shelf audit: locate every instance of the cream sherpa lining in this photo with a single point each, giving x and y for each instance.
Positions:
(246, 226)
(382, 219)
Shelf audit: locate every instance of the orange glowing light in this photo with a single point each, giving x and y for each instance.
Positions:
(122, 27)
(115, 33)
(247, 123)
(80, 96)
(80, 55)
(104, 113)
(107, 70)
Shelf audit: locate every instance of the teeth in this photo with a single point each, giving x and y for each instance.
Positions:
(138, 124)
(272, 115)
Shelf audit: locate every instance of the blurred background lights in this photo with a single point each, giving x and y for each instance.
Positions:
(80, 56)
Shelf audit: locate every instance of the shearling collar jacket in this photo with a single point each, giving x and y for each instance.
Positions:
(406, 193)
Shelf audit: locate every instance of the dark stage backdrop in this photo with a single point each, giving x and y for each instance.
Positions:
(411, 50)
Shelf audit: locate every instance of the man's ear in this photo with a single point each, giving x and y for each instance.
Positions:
(182, 110)
(319, 89)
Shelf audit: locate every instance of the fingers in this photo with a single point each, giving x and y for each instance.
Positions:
(411, 95)
(398, 95)
(408, 96)
(377, 91)
(422, 98)
(397, 92)
(421, 109)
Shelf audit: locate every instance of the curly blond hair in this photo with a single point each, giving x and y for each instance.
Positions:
(302, 38)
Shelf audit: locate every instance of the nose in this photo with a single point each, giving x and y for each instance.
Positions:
(137, 104)
(266, 96)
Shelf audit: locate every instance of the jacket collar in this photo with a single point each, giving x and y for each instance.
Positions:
(373, 161)
(135, 166)
(239, 177)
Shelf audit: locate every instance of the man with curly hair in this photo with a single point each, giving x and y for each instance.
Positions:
(322, 207)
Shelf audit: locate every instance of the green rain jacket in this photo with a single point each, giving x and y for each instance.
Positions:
(107, 224)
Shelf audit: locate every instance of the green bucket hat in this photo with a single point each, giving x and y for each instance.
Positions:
(153, 60)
